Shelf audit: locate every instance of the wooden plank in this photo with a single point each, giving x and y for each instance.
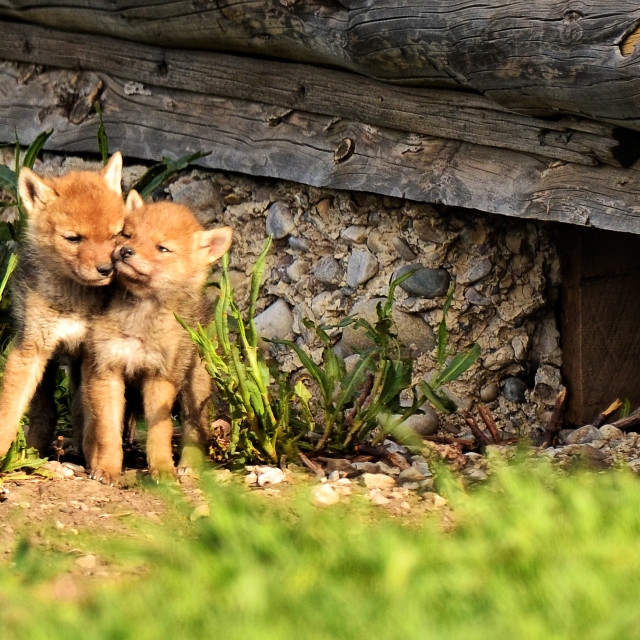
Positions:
(246, 137)
(600, 340)
(436, 112)
(544, 57)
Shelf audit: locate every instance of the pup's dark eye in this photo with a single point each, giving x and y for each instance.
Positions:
(162, 249)
(73, 238)
(124, 234)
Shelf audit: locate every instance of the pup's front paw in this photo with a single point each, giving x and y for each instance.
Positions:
(104, 476)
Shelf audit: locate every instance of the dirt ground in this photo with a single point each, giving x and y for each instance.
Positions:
(55, 514)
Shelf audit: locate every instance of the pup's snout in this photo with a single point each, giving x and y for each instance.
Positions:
(127, 252)
(105, 269)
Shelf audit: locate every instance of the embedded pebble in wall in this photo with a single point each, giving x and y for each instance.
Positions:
(375, 242)
(425, 282)
(299, 244)
(276, 321)
(477, 270)
(362, 266)
(514, 389)
(423, 424)
(412, 330)
(355, 234)
(489, 393)
(328, 271)
(473, 296)
(427, 230)
(403, 249)
(280, 222)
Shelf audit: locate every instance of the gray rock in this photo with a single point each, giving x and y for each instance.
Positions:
(198, 195)
(477, 270)
(280, 222)
(299, 244)
(473, 296)
(489, 393)
(498, 359)
(609, 432)
(410, 475)
(375, 242)
(362, 266)
(423, 424)
(403, 249)
(514, 389)
(583, 435)
(355, 234)
(426, 230)
(276, 321)
(425, 282)
(328, 271)
(419, 463)
(412, 330)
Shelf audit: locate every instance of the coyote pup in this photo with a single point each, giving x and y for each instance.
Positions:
(65, 265)
(162, 263)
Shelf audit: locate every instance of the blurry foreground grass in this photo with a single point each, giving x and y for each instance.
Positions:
(532, 555)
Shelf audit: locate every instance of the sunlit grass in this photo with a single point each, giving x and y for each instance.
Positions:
(532, 554)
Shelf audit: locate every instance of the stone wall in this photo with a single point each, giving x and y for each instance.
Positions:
(335, 253)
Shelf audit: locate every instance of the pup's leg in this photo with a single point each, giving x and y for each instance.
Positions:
(103, 397)
(158, 395)
(42, 411)
(196, 404)
(22, 373)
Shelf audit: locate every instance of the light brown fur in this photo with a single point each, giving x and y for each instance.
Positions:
(61, 280)
(162, 265)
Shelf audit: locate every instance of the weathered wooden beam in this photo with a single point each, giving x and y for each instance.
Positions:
(315, 149)
(437, 112)
(543, 57)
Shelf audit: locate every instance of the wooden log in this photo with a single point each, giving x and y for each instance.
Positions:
(544, 57)
(443, 113)
(249, 137)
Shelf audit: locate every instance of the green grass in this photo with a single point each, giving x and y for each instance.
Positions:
(533, 555)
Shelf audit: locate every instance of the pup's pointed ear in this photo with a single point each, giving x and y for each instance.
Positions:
(34, 192)
(216, 242)
(112, 173)
(134, 201)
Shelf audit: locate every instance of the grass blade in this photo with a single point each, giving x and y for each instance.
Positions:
(459, 364)
(103, 144)
(162, 171)
(35, 148)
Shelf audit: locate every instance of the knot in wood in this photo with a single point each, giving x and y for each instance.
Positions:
(344, 150)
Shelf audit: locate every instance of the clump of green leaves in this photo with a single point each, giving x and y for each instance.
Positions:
(449, 365)
(20, 456)
(355, 402)
(260, 414)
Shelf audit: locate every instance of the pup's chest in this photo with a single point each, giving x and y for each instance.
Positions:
(141, 339)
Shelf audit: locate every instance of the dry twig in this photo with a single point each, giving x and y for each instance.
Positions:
(487, 418)
(555, 422)
(475, 429)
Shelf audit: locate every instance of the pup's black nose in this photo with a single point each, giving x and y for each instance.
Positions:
(127, 252)
(105, 269)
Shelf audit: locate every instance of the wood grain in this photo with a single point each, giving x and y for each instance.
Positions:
(249, 137)
(544, 57)
(443, 113)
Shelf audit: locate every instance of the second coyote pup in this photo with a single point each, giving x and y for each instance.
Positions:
(162, 263)
(64, 267)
